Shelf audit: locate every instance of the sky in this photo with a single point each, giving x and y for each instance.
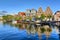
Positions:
(15, 6)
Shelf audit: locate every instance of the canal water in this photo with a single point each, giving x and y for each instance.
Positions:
(11, 32)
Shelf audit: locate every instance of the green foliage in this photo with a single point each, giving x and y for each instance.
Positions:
(7, 17)
(42, 16)
(49, 16)
(10, 17)
(37, 17)
(18, 18)
(42, 30)
(29, 18)
(4, 17)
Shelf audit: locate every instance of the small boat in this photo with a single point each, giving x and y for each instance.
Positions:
(38, 21)
(14, 22)
(19, 21)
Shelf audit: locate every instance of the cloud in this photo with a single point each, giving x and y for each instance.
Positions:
(3, 12)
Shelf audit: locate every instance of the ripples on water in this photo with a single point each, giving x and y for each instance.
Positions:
(23, 32)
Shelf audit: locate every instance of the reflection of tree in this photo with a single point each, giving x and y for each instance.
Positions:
(48, 31)
(44, 29)
(40, 31)
(32, 29)
(22, 26)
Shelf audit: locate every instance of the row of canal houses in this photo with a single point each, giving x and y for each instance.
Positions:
(33, 12)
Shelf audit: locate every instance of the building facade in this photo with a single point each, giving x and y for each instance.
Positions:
(33, 12)
(22, 14)
(48, 11)
(57, 16)
(39, 12)
(28, 12)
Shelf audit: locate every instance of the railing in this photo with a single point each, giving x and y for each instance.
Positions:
(55, 23)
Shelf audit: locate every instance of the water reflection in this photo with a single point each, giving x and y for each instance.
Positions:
(33, 29)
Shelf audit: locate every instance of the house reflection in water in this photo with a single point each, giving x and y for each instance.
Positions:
(33, 29)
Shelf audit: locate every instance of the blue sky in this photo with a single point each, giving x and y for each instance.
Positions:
(22, 5)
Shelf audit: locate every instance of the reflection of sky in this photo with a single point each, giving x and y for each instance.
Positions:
(11, 33)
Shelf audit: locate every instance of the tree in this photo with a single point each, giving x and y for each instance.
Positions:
(4, 17)
(10, 17)
(36, 17)
(42, 16)
(7, 17)
(49, 16)
(18, 18)
(28, 18)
